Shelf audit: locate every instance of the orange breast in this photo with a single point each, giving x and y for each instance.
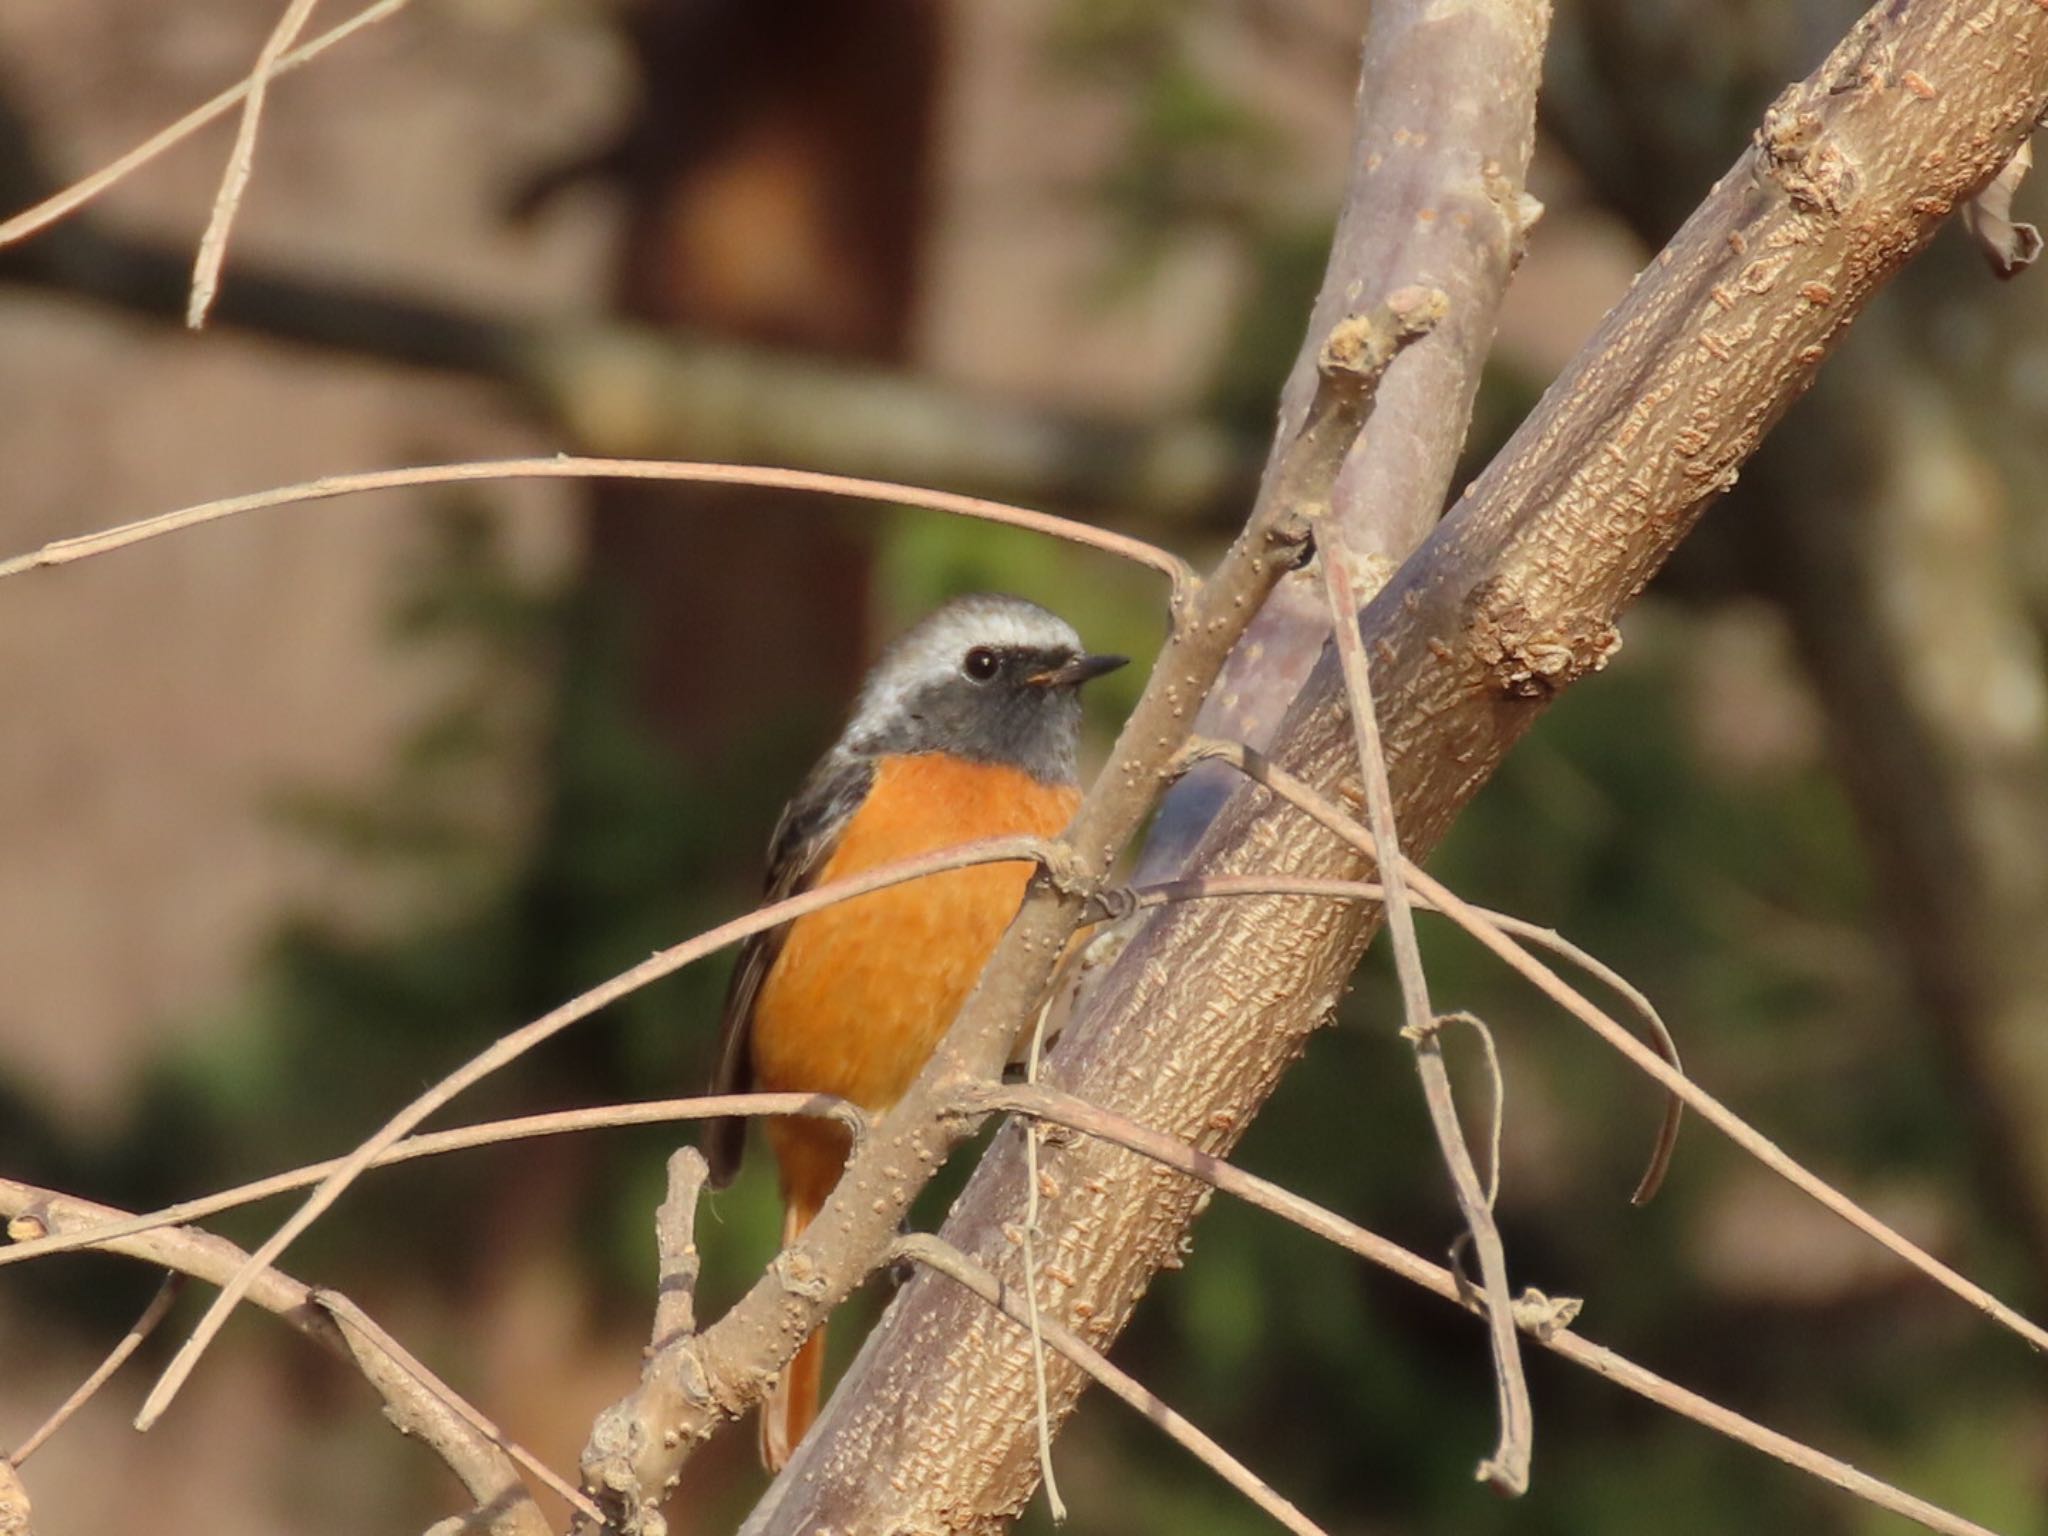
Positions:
(862, 991)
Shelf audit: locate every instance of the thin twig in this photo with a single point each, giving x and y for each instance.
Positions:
(1730, 1124)
(1033, 1134)
(353, 1319)
(1507, 1469)
(234, 181)
(56, 206)
(512, 1046)
(1064, 1109)
(434, 1143)
(143, 1326)
(1496, 1117)
(502, 1500)
(1490, 933)
(933, 1253)
(567, 467)
(1208, 887)
(675, 1247)
(1298, 793)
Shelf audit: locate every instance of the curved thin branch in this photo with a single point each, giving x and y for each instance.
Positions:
(516, 1044)
(566, 467)
(1539, 1322)
(503, 1503)
(1657, 1033)
(461, 1138)
(1325, 812)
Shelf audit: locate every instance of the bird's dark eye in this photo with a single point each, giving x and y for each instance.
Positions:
(981, 664)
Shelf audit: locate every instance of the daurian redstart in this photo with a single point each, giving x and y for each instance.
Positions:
(966, 728)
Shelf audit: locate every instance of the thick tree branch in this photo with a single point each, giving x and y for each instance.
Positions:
(1433, 77)
(1891, 556)
(1512, 599)
(922, 1248)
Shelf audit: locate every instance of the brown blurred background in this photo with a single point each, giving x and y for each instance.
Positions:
(296, 811)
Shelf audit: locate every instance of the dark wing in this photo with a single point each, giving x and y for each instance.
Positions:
(804, 839)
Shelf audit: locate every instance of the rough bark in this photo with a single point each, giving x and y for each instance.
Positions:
(1513, 598)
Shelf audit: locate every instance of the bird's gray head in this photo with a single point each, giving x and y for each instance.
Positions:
(987, 677)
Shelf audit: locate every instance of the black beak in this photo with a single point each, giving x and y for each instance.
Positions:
(1076, 672)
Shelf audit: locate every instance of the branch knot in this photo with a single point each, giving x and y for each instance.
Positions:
(1546, 1316)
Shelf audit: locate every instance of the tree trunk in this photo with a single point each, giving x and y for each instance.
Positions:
(777, 188)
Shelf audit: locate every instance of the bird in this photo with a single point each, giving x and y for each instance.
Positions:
(966, 727)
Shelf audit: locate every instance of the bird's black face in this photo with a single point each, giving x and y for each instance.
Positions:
(999, 670)
(990, 679)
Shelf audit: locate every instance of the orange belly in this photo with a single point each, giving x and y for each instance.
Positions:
(861, 992)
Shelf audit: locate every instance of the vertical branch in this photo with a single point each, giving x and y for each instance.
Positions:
(675, 1247)
(1508, 1468)
(1034, 1135)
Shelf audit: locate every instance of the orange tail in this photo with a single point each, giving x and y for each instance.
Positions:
(793, 1404)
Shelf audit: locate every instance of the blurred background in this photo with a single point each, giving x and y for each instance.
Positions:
(297, 811)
